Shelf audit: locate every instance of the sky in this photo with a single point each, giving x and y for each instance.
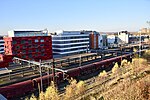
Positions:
(99, 15)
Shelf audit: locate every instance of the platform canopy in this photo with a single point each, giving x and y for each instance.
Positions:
(4, 71)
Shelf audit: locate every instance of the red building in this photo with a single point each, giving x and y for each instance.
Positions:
(30, 48)
(4, 60)
(94, 40)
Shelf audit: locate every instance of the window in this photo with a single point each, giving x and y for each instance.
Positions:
(43, 50)
(14, 52)
(42, 40)
(17, 47)
(42, 54)
(41, 45)
(37, 50)
(24, 56)
(30, 56)
(24, 51)
(36, 55)
(35, 45)
(24, 47)
(22, 41)
(30, 41)
(29, 46)
(36, 40)
(30, 51)
(14, 42)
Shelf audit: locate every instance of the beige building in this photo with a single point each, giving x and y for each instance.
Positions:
(145, 30)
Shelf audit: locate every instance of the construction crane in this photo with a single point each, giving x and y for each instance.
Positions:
(148, 22)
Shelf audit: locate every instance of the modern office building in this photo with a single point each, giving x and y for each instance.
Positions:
(30, 48)
(1, 45)
(66, 43)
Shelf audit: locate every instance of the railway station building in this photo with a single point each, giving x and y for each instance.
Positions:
(66, 43)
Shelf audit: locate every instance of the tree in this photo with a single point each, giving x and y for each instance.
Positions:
(80, 87)
(33, 97)
(70, 89)
(115, 68)
(103, 74)
(51, 92)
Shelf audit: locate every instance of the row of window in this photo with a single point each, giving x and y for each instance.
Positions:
(68, 46)
(73, 37)
(30, 46)
(29, 51)
(31, 56)
(28, 41)
(30, 34)
(67, 50)
(64, 42)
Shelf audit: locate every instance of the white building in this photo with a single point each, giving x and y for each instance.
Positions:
(123, 37)
(70, 42)
(24, 33)
(111, 39)
(1, 45)
(102, 43)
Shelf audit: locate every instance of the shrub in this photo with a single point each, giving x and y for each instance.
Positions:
(115, 68)
(42, 96)
(80, 87)
(51, 93)
(33, 97)
(146, 55)
(103, 74)
(70, 89)
(124, 62)
(139, 61)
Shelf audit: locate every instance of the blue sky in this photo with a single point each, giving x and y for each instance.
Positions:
(100, 15)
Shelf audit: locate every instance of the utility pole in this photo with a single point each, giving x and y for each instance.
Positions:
(80, 61)
(140, 46)
(41, 75)
(53, 71)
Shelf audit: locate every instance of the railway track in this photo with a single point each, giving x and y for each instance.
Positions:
(20, 71)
